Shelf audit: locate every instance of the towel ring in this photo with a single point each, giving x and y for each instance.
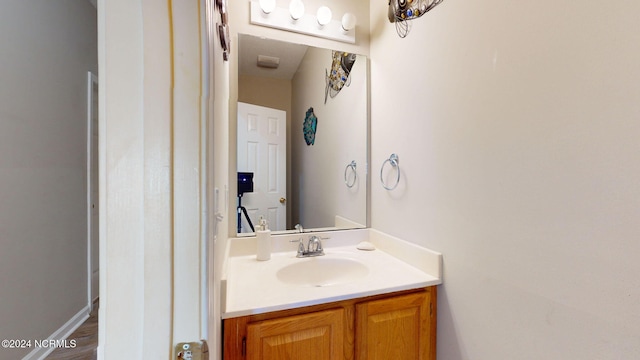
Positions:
(394, 161)
(351, 166)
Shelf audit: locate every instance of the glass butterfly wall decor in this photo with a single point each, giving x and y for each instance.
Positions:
(341, 66)
(309, 127)
(402, 10)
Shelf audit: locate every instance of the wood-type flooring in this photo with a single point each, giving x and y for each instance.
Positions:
(86, 337)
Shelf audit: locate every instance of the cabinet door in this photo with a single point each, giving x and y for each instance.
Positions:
(318, 335)
(401, 327)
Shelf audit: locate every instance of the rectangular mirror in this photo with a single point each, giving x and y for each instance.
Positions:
(302, 137)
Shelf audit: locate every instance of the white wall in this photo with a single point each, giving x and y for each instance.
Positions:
(46, 50)
(220, 196)
(517, 128)
(319, 192)
(151, 197)
(219, 175)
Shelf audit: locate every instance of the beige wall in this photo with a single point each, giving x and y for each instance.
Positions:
(47, 49)
(273, 93)
(517, 128)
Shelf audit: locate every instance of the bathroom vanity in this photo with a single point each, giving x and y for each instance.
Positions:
(370, 296)
(347, 304)
(399, 325)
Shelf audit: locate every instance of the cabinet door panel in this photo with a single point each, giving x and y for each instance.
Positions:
(395, 328)
(312, 336)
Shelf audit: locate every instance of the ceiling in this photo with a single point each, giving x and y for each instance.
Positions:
(250, 47)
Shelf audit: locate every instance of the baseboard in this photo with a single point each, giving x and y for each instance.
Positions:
(60, 334)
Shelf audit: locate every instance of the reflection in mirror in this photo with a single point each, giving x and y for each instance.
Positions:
(319, 184)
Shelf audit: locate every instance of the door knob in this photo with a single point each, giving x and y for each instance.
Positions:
(282, 200)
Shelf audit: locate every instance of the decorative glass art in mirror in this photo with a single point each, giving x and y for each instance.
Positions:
(309, 127)
(340, 73)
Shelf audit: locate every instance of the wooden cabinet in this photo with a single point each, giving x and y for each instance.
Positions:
(315, 336)
(390, 326)
(402, 327)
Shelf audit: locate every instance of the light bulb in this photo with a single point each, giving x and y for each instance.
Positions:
(324, 15)
(267, 6)
(296, 9)
(348, 21)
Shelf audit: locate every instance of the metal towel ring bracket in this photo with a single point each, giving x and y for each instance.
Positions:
(394, 161)
(351, 166)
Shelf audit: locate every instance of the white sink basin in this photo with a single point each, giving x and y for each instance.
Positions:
(322, 271)
(345, 272)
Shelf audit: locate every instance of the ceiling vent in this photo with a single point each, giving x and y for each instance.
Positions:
(268, 62)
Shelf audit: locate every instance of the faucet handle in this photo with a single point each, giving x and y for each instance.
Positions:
(300, 245)
(315, 244)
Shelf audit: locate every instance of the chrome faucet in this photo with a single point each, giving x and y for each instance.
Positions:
(314, 247)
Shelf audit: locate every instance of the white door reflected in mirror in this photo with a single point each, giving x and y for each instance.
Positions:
(262, 151)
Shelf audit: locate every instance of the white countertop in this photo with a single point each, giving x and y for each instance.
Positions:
(252, 287)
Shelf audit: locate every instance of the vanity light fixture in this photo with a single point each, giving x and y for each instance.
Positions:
(294, 19)
(296, 9)
(267, 6)
(323, 15)
(348, 22)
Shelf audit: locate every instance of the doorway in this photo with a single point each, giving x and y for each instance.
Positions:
(262, 144)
